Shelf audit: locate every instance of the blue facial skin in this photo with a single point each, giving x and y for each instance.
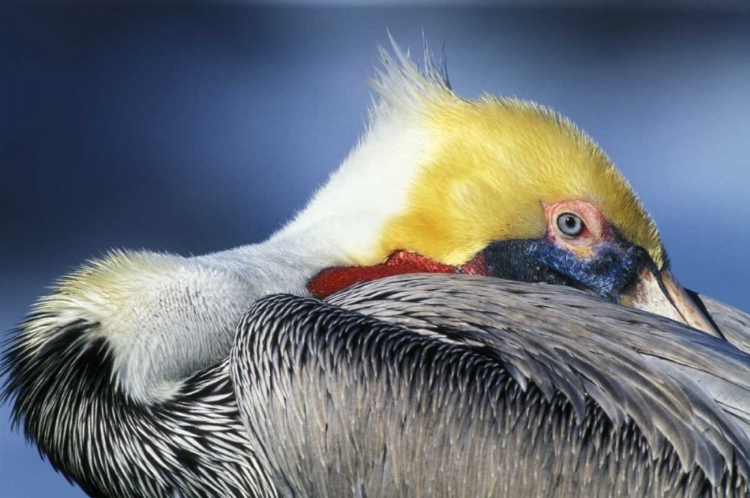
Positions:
(615, 266)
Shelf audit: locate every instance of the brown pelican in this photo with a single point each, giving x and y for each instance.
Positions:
(123, 375)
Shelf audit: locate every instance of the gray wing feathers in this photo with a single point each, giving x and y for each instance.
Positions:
(731, 396)
(566, 338)
(734, 324)
(417, 398)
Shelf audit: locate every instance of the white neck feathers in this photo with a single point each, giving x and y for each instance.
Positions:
(372, 185)
(166, 317)
(348, 215)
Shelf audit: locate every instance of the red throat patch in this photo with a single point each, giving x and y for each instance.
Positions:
(332, 280)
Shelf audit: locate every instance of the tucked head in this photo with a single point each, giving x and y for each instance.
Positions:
(511, 189)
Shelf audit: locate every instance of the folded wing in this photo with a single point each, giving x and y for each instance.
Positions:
(465, 386)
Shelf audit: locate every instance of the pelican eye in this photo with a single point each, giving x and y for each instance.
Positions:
(570, 224)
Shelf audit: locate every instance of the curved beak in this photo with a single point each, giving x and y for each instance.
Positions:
(660, 293)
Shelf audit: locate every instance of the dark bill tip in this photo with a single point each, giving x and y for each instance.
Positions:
(660, 293)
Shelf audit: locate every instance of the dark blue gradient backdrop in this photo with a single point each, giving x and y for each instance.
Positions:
(197, 129)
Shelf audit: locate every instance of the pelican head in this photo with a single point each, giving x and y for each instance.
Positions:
(505, 188)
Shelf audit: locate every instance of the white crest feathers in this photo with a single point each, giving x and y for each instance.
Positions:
(403, 84)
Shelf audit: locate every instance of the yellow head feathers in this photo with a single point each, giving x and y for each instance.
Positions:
(497, 161)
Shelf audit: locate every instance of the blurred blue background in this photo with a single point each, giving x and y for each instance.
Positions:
(194, 129)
